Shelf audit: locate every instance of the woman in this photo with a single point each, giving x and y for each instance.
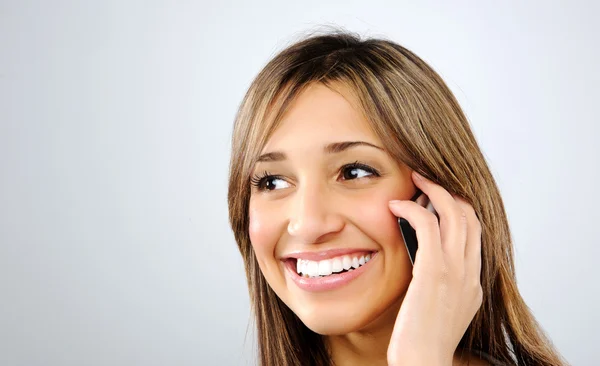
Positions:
(333, 138)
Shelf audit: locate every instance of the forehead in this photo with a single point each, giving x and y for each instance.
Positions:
(320, 115)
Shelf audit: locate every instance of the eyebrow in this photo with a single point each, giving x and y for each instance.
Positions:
(333, 148)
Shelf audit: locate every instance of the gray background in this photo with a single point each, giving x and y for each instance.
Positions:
(115, 119)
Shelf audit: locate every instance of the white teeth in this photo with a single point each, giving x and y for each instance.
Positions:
(325, 267)
(336, 265)
(347, 262)
(312, 269)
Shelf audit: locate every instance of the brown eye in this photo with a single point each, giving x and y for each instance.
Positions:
(267, 182)
(270, 183)
(358, 170)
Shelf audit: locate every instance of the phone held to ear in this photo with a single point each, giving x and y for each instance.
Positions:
(408, 233)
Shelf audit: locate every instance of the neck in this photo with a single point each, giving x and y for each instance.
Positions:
(367, 346)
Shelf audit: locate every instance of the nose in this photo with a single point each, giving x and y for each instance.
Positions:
(314, 215)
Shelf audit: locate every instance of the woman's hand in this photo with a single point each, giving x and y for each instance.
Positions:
(445, 291)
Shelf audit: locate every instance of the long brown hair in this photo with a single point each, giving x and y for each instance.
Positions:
(421, 124)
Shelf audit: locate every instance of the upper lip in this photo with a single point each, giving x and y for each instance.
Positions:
(325, 254)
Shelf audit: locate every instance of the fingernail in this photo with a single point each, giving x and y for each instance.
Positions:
(417, 175)
(394, 202)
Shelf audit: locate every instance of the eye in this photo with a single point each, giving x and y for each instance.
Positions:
(268, 182)
(358, 170)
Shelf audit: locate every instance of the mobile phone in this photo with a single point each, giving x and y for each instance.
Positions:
(408, 233)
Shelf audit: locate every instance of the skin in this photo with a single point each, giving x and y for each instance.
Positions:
(393, 313)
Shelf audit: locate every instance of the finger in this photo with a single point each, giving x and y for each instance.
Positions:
(472, 251)
(426, 227)
(452, 222)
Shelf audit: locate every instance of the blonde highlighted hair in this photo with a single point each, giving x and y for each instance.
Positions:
(421, 125)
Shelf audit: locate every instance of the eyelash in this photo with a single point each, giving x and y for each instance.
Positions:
(258, 180)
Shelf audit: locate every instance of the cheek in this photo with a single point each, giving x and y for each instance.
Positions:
(262, 232)
(376, 219)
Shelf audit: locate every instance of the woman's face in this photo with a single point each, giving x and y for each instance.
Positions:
(322, 210)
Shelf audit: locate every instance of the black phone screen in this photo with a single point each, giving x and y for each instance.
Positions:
(409, 234)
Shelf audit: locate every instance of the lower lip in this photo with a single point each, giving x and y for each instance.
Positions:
(326, 283)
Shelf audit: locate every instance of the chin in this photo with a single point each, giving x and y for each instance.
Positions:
(343, 317)
(326, 323)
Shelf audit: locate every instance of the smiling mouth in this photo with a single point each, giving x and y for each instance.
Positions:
(330, 267)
